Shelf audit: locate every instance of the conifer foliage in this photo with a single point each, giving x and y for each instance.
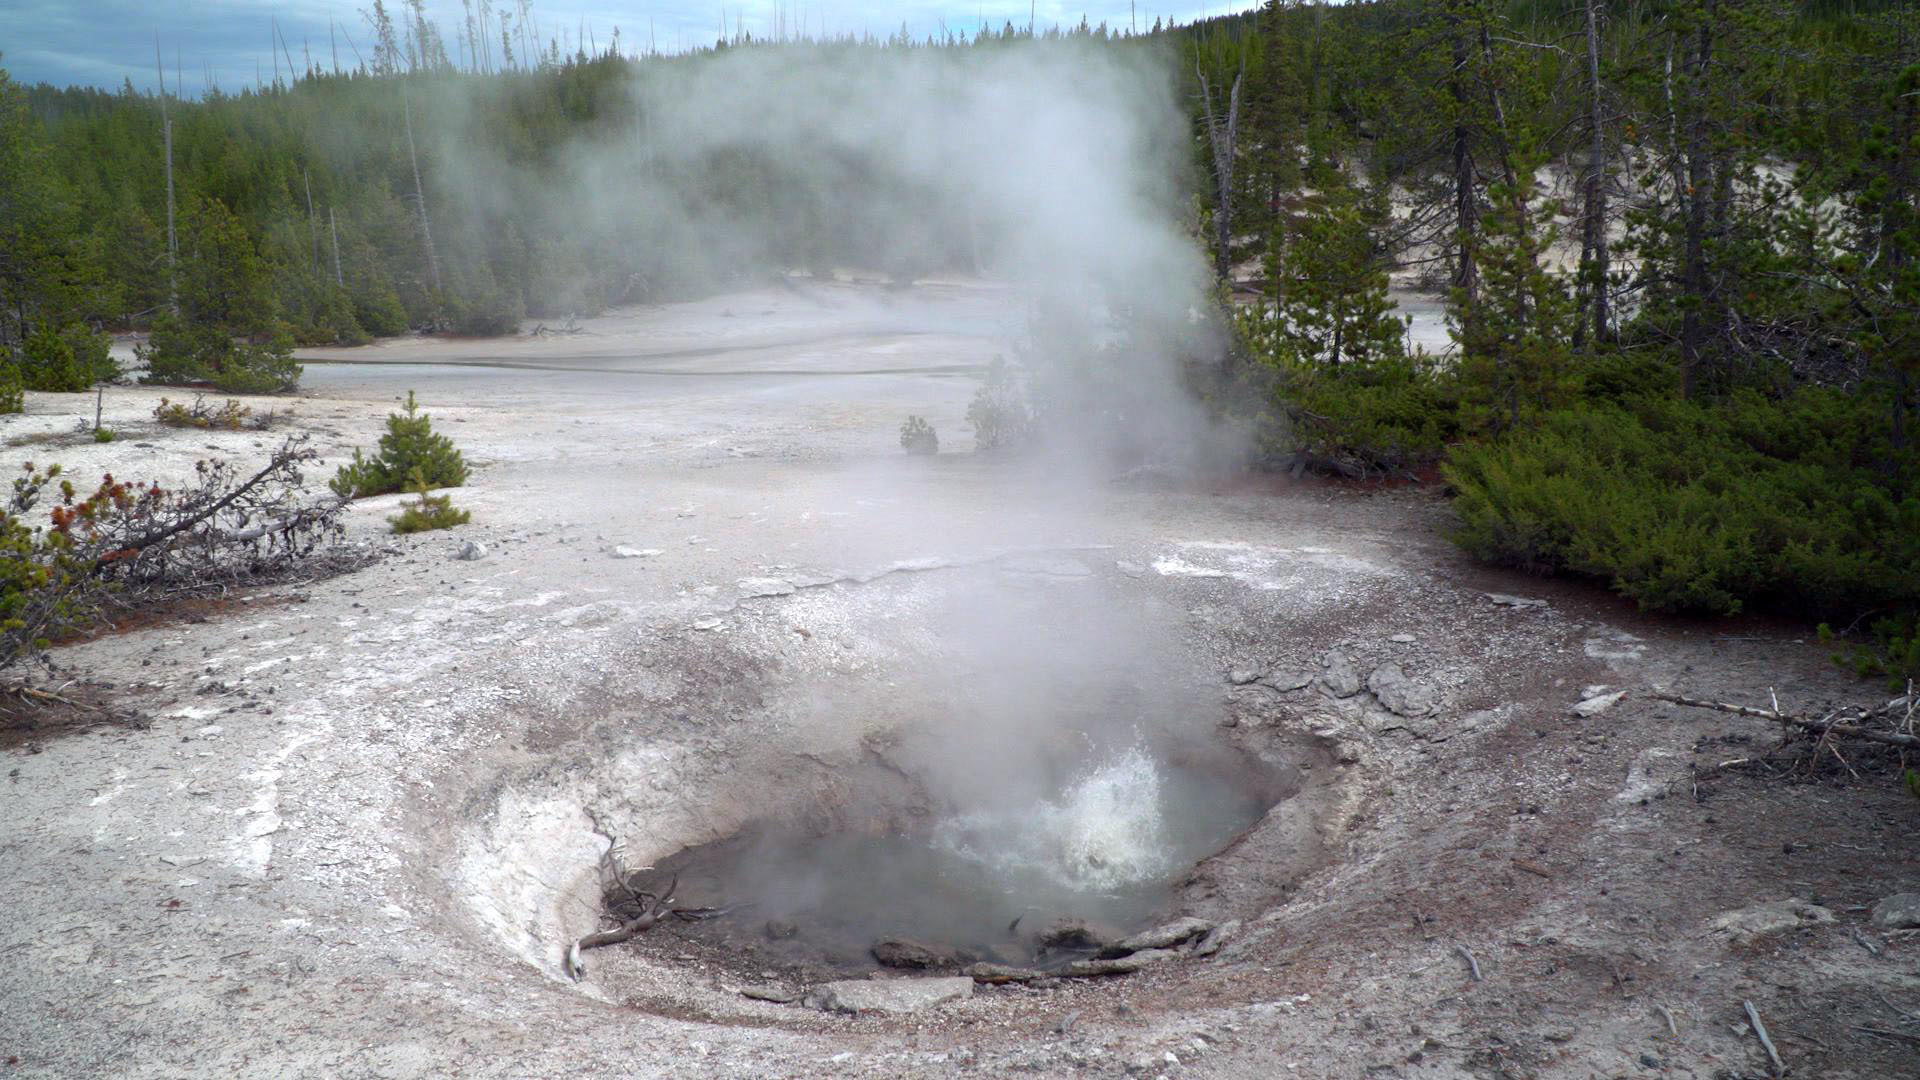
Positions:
(411, 455)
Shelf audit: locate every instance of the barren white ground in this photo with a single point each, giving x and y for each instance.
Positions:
(355, 837)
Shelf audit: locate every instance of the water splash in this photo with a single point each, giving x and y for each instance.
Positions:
(1105, 831)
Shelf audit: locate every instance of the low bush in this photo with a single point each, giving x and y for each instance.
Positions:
(1711, 508)
(409, 453)
(999, 413)
(182, 353)
(1382, 416)
(918, 437)
(101, 434)
(427, 512)
(13, 396)
(231, 416)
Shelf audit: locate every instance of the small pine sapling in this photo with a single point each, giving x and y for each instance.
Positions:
(427, 512)
(409, 447)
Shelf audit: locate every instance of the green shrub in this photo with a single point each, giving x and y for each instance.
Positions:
(49, 364)
(1891, 651)
(409, 452)
(427, 512)
(999, 413)
(13, 398)
(182, 353)
(231, 416)
(1386, 415)
(101, 434)
(918, 437)
(1703, 508)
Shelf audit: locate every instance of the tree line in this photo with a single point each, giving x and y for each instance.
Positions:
(1677, 244)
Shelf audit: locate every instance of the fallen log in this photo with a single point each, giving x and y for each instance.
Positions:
(1821, 727)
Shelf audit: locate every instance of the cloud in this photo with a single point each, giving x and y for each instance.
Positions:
(231, 43)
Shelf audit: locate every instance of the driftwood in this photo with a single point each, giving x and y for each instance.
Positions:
(652, 908)
(1820, 727)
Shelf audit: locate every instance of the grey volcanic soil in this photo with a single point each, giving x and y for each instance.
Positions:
(364, 821)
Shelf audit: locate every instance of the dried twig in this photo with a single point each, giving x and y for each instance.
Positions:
(1897, 1010)
(1766, 1043)
(1473, 966)
(1867, 944)
(1850, 730)
(1533, 868)
(1885, 1034)
(1667, 1015)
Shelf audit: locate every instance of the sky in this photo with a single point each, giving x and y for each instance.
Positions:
(226, 42)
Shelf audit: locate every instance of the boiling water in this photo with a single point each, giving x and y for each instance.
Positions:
(1105, 848)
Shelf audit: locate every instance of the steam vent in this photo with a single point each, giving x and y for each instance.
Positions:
(836, 540)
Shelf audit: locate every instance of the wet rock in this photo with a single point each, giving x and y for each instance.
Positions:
(1401, 695)
(624, 552)
(1217, 937)
(1901, 911)
(1338, 676)
(1160, 937)
(471, 551)
(1117, 965)
(1756, 921)
(780, 929)
(779, 995)
(1242, 676)
(894, 996)
(911, 955)
(1503, 600)
(997, 974)
(1285, 681)
(1074, 934)
(1598, 703)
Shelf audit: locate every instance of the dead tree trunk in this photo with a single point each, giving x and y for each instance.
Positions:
(333, 226)
(1223, 134)
(1697, 198)
(420, 195)
(1466, 204)
(166, 134)
(1594, 310)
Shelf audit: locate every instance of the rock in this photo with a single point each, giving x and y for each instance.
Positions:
(1117, 965)
(1074, 934)
(624, 552)
(779, 995)
(709, 624)
(1160, 937)
(1401, 695)
(1597, 704)
(1002, 973)
(1503, 600)
(1338, 675)
(1403, 639)
(895, 996)
(1216, 937)
(1242, 676)
(1901, 911)
(1285, 681)
(1131, 569)
(471, 551)
(751, 587)
(780, 929)
(1751, 923)
(901, 953)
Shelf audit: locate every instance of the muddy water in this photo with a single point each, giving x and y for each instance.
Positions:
(1105, 848)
